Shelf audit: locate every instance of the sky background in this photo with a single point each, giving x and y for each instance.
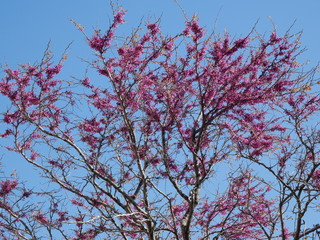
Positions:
(26, 26)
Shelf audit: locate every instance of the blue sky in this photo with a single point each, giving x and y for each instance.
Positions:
(27, 26)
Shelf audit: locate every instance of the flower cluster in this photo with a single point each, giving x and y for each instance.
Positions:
(135, 146)
(316, 178)
(7, 187)
(100, 42)
(240, 211)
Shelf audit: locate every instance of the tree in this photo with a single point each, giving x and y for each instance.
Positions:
(179, 137)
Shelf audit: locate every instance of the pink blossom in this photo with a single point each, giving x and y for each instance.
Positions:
(118, 17)
(153, 28)
(97, 43)
(7, 187)
(42, 219)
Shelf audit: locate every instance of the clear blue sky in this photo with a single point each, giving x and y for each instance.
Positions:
(27, 25)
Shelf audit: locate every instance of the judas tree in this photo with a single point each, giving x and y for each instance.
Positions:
(189, 136)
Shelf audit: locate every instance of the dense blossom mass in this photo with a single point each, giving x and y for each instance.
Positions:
(188, 136)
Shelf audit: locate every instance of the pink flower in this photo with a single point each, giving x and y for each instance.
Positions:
(154, 29)
(42, 219)
(7, 186)
(274, 38)
(96, 42)
(316, 178)
(286, 233)
(118, 18)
